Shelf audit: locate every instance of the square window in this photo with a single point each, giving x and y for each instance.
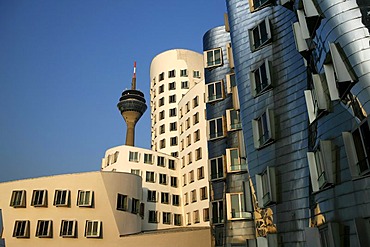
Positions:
(43, 229)
(172, 99)
(214, 91)
(171, 74)
(21, 229)
(136, 172)
(172, 86)
(122, 202)
(18, 199)
(260, 35)
(266, 187)
(171, 164)
(183, 73)
(236, 203)
(217, 168)
(166, 218)
(68, 228)
(85, 198)
(233, 120)
(61, 198)
(258, 4)
(213, 58)
(150, 177)
(152, 196)
(261, 78)
(263, 129)
(174, 182)
(165, 197)
(184, 85)
(93, 229)
(148, 158)
(196, 74)
(173, 126)
(175, 154)
(133, 156)
(234, 161)
(173, 112)
(161, 161)
(153, 216)
(39, 198)
(215, 128)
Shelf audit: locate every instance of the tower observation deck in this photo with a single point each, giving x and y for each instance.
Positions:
(132, 106)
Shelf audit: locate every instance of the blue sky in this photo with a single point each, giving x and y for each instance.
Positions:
(63, 66)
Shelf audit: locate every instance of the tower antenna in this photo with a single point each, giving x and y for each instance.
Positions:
(133, 83)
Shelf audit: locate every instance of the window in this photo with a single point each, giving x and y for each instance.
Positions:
(198, 153)
(257, 4)
(61, 198)
(203, 193)
(316, 99)
(236, 206)
(133, 156)
(183, 72)
(260, 35)
(175, 200)
(181, 129)
(173, 126)
(171, 73)
(184, 180)
(85, 198)
(135, 206)
(161, 115)
(162, 178)
(214, 91)
(161, 89)
(196, 101)
(191, 176)
(321, 166)
(162, 143)
(160, 161)
(196, 74)
(196, 216)
(196, 135)
(217, 168)
(266, 187)
(263, 129)
(175, 154)
(153, 216)
(188, 140)
(148, 158)
(187, 123)
(150, 177)
(39, 198)
(21, 229)
(205, 214)
(182, 144)
(196, 118)
(43, 229)
(121, 202)
(68, 228)
(186, 199)
(234, 162)
(172, 99)
(217, 212)
(193, 194)
(184, 85)
(190, 158)
(200, 172)
(161, 101)
(215, 128)
(18, 199)
(261, 78)
(161, 129)
(161, 76)
(165, 197)
(174, 182)
(171, 164)
(93, 229)
(152, 196)
(166, 218)
(233, 120)
(188, 219)
(357, 145)
(177, 219)
(187, 107)
(172, 86)
(173, 112)
(213, 58)
(230, 82)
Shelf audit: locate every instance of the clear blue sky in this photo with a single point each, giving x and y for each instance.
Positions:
(63, 66)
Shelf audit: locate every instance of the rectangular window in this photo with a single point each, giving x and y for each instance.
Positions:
(85, 198)
(161, 76)
(230, 82)
(175, 200)
(173, 126)
(161, 161)
(190, 160)
(93, 229)
(229, 53)
(43, 229)
(172, 99)
(196, 216)
(200, 172)
(217, 212)
(196, 118)
(152, 196)
(18, 199)
(214, 91)
(173, 141)
(161, 129)
(148, 158)
(258, 4)
(266, 187)
(175, 154)
(68, 228)
(177, 219)
(162, 143)
(188, 140)
(165, 197)
(166, 218)
(191, 176)
(135, 206)
(196, 135)
(174, 182)
(186, 199)
(161, 101)
(193, 195)
(161, 89)
(171, 73)
(173, 112)
(205, 214)
(261, 78)
(184, 85)
(150, 177)
(263, 129)
(153, 216)
(183, 72)
(237, 206)
(213, 58)
(203, 193)
(196, 101)
(161, 115)
(216, 128)
(171, 164)
(21, 229)
(136, 172)
(217, 168)
(162, 178)
(39, 198)
(61, 198)
(172, 86)
(198, 153)
(122, 202)
(188, 219)
(260, 35)
(234, 161)
(133, 156)
(187, 123)
(196, 74)
(233, 120)
(184, 180)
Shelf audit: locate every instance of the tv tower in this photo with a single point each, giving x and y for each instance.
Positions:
(132, 106)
